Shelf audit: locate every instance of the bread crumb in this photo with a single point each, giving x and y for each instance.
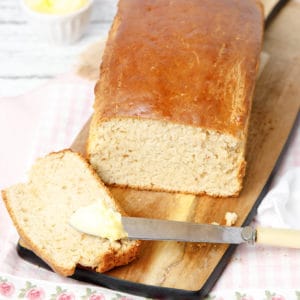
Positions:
(231, 218)
(215, 223)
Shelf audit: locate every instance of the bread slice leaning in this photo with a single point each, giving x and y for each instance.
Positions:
(58, 185)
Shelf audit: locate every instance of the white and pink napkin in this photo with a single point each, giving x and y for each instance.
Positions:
(281, 206)
(48, 119)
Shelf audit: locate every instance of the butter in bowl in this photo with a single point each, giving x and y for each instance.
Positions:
(58, 21)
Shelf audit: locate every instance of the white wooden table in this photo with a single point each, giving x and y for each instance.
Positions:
(26, 61)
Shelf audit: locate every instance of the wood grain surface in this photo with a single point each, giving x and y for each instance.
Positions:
(276, 104)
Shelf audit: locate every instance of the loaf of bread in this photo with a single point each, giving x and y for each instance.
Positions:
(58, 185)
(173, 101)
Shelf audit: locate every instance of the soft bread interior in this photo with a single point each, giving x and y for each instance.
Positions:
(60, 184)
(151, 154)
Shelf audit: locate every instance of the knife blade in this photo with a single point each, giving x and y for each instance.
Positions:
(166, 230)
(156, 229)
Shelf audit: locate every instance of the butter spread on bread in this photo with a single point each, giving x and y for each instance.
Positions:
(100, 220)
(173, 101)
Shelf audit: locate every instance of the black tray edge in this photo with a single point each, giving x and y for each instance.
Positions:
(276, 9)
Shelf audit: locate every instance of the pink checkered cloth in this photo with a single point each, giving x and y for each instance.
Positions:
(48, 119)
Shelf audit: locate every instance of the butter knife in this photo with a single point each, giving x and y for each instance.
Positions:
(166, 230)
(156, 229)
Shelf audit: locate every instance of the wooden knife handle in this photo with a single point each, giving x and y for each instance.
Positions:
(278, 237)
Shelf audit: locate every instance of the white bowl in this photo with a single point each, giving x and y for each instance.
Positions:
(59, 29)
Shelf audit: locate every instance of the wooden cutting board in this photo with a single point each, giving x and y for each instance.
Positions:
(275, 107)
(189, 270)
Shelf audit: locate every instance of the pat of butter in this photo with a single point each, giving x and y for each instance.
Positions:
(59, 7)
(100, 220)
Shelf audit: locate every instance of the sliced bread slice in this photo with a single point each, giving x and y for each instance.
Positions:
(58, 185)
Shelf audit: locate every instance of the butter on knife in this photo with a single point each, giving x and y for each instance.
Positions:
(100, 220)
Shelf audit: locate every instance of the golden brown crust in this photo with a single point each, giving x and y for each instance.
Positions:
(118, 258)
(189, 62)
(110, 260)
